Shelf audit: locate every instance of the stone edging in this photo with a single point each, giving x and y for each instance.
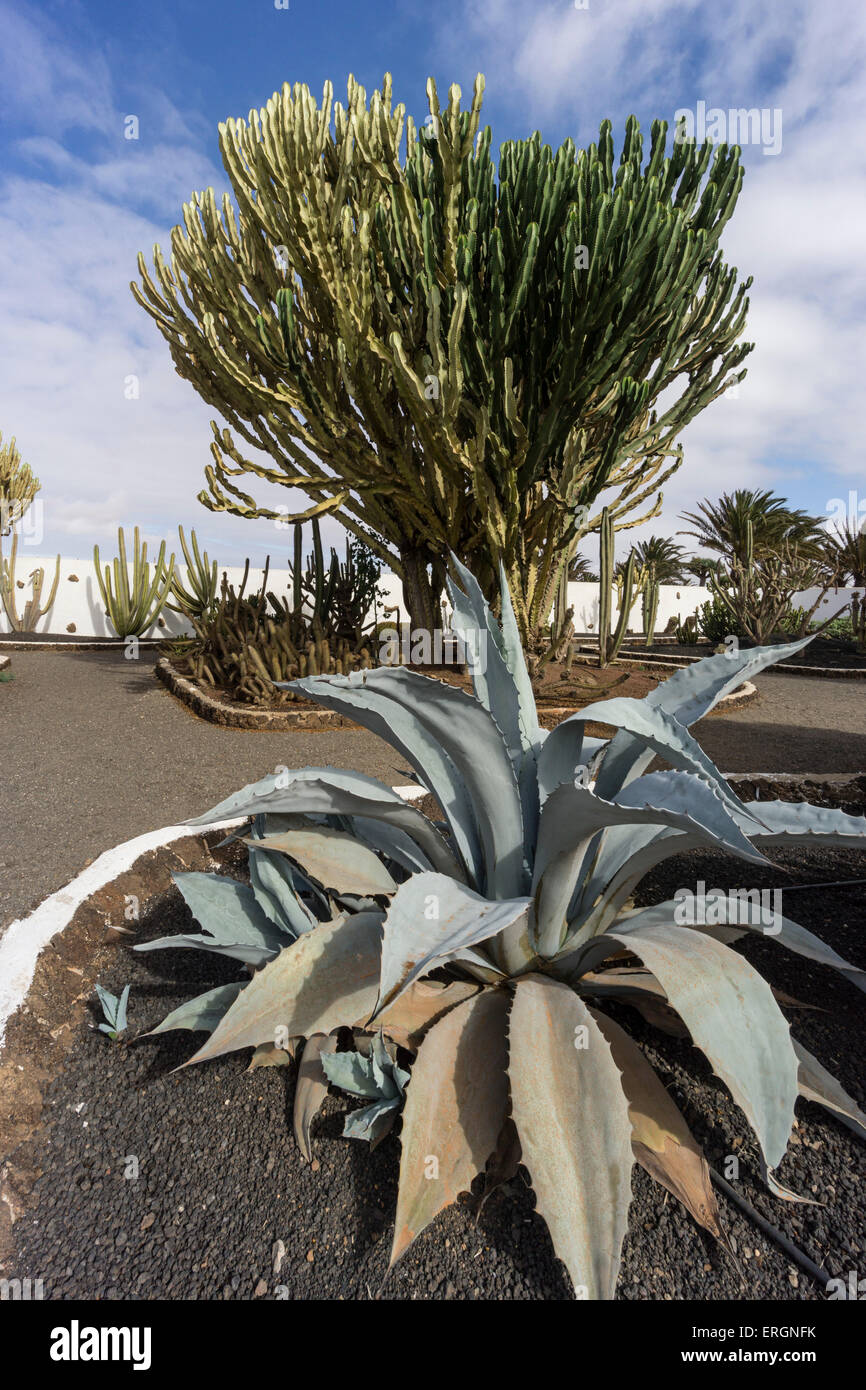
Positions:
(218, 711)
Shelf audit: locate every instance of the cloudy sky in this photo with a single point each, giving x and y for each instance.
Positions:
(79, 201)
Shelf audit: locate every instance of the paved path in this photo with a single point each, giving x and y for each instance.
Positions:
(95, 751)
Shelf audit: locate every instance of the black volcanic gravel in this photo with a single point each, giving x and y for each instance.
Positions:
(220, 1180)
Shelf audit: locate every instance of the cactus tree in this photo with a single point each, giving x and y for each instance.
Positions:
(444, 352)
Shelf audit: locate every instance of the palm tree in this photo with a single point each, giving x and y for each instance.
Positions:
(723, 526)
(847, 551)
(700, 567)
(662, 557)
(580, 571)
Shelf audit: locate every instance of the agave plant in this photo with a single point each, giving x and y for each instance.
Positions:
(487, 945)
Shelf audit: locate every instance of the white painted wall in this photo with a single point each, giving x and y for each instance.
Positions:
(78, 599)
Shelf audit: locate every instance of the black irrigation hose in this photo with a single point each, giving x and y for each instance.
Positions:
(803, 1260)
(840, 883)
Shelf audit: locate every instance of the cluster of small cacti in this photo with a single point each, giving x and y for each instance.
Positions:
(243, 645)
(34, 608)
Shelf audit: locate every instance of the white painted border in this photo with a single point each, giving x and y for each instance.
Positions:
(25, 939)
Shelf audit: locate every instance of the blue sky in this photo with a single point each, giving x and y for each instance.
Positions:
(79, 201)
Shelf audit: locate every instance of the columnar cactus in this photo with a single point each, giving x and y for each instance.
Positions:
(134, 606)
(423, 342)
(609, 642)
(34, 608)
(199, 594)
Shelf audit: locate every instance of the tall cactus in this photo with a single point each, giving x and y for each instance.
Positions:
(34, 608)
(423, 341)
(18, 486)
(134, 605)
(199, 595)
(609, 642)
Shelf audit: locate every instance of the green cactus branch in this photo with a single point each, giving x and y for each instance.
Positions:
(445, 353)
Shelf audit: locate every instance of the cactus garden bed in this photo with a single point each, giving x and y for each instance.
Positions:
(129, 1181)
(558, 694)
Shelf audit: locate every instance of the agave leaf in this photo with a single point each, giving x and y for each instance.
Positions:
(336, 860)
(430, 919)
(335, 791)
(666, 737)
(798, 822)
(458, 751)
(234, 922)
(203, 1013)
(500, 680)
(661, 1140)
(819, 1085)
(566, 749)
(228, 912)
(740, 913)
(310, 1089)
(373, 1122)
(454, 1112)
(733, 1018)
(392, 842)
(250, 955)
(573, 814)
(688, 695)
(408, 1018)
(354, 1073)
(573, 1122)
(273, 885)
(692, 692)
(326, 979)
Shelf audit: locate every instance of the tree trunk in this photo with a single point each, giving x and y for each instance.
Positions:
(419, 591)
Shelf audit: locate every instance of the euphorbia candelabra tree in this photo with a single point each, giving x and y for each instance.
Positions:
(487, 947)
(442, 352)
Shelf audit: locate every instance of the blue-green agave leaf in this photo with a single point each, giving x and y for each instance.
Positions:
(688, 695)
(500, 679)
(431, 919)
(798, 822)
(326, 979)
(459, 751)
(202, 1014)
(736, 909)
(235, 924)
(330, 791)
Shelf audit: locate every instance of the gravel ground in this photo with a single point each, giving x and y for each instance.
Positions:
(220, 1181)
